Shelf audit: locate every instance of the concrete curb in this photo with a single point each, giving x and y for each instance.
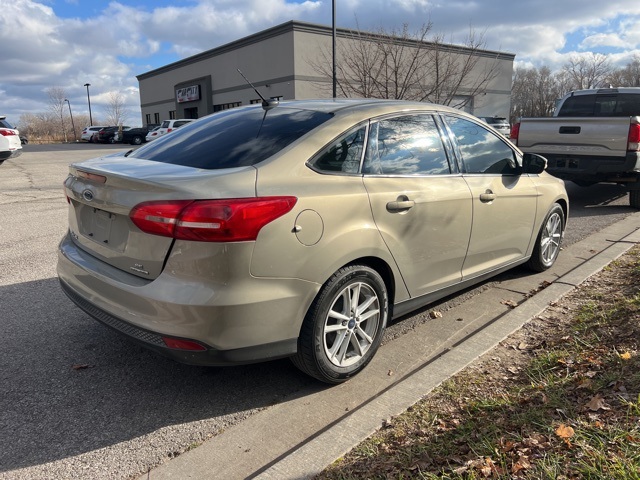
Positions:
(311, 458)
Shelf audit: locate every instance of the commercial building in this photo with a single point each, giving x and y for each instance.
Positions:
(282, 62)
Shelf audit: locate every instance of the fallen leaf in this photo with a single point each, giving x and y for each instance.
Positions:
(435, 314)
(82, 366)
(597, 403)
(625, 356)
(585, 383)
(390, 373)
(509, 303)
(565, 431)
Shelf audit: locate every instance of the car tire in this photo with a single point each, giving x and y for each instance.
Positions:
(137, 140)
(344, 325)
(112, 140)
(548, 242)
(634, 198)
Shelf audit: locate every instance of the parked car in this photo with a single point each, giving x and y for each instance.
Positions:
(23, 140)
(107, 134)
(501, 124)
(302, 229)
(167, 126)
(10, 145)
(88, 132)
(118, 133)
(137, 136)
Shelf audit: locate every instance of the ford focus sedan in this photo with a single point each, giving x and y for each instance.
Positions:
(299, 230)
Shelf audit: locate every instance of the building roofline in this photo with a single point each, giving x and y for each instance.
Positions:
(297, 26)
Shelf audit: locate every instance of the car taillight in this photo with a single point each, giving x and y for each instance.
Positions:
(633, 143)
(229, 220)
(169, 129)
(515, 131)
(7, 133)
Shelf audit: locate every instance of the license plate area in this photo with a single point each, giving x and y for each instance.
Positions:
(105, 228)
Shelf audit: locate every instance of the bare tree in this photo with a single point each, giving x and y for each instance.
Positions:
(57, 96)
(587, 71)
(629, 76)
(401, 64)
(116, 110)
(535, 91)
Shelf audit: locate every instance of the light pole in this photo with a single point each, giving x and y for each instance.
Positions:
(75, 137)
(89, 101)
(333, 15)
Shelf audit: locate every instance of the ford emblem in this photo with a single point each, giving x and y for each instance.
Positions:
(87, 195)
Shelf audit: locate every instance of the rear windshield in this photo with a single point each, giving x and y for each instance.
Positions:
(233, 138)
(603, 105)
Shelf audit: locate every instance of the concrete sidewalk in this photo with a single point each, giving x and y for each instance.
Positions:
(299, 437)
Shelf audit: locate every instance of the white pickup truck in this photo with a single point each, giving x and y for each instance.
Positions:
(593, 137)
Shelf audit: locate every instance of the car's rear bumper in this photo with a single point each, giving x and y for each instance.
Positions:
(593, 168)
(243, 321)
(7, 154)
(154, 341)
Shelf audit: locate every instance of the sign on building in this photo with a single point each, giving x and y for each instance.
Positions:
(188, 94)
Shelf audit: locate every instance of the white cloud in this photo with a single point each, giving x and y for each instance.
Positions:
(128, 37)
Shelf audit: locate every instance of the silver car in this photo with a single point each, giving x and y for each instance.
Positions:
(300, 230)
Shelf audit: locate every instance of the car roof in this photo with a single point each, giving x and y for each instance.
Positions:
(604, 91)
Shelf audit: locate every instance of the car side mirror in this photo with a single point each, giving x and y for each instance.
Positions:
(533, 163)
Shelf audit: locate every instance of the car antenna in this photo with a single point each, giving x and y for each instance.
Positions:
(266, 104)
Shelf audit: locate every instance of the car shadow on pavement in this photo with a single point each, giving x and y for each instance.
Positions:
(71, 385)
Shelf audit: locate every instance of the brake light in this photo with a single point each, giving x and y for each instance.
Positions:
(515, 131)
(633, 143)
(169, 129)
(229, 220)
(7, 133)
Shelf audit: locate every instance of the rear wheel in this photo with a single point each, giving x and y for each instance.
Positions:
(343, 328)
(548, 242)
(634, 198)
(136, 140)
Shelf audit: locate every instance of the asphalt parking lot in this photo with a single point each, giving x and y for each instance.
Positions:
(80, 402)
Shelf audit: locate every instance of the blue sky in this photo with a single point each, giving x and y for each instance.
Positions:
(67, 43)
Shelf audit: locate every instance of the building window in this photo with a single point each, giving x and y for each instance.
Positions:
(156, 118)
(148, 118)
(172, 114)
(226, 106)
(255, 100)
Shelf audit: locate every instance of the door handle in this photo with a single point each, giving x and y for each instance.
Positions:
(402, 204)
(487, 196)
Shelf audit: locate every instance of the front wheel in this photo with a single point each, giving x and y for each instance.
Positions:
(137, 140)
(343, 328)
(548, 241)
(634, 198)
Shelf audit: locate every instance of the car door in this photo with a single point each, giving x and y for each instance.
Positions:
(420, 203)
(504, 202)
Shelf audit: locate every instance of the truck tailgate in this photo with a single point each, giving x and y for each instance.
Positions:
(590, 136)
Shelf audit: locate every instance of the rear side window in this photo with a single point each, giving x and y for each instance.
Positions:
(234, 138)
(344, 154)
(408, 145)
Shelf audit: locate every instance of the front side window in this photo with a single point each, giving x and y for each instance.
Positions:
(407, 145)
(343, 154)
(481, 150)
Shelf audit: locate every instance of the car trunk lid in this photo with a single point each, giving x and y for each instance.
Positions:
(103, 192)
